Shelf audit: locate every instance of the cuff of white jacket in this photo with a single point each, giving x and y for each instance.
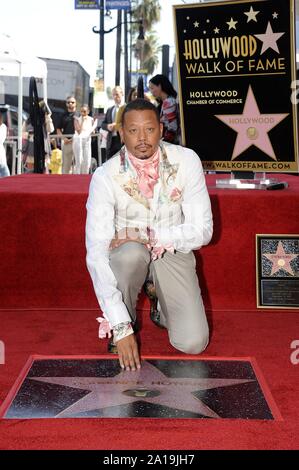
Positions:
(122, 331)
(116, 314)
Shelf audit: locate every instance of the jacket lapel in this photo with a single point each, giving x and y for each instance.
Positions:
(166, 182)
(127, 180)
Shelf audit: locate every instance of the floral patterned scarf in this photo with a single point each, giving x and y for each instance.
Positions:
(147, 172)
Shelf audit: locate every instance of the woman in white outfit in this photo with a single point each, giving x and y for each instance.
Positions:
(84, 127)
(4, 171)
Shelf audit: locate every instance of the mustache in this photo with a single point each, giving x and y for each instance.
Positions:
(143, 145)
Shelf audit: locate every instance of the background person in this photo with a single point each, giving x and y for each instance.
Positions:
(48, 128)
(113, 144)
(28, 146)
(4, 171)
(132, 95)
(55, 165)
(84, 127)
(162, 89)
(67, 126)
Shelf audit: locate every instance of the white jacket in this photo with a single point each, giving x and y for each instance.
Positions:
(179, 213)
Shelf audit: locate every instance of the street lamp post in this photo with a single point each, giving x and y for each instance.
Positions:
(102, 35)
(101, 31)
(102, 50)
(118, 49)
(126, 65)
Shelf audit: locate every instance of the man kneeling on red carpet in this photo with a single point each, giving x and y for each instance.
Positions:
(148, 208)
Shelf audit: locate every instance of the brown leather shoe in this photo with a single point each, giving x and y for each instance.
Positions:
(154, 312)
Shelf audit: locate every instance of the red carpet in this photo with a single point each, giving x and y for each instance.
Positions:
(42, 248)
(48, 308)
(266, 336)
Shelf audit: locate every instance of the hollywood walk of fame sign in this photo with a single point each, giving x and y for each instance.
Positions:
(277, 271)
(237, 82)
(163, 388)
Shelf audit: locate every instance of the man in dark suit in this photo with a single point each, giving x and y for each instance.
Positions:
(108, 124)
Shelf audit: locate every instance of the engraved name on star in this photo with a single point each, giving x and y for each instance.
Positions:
(232, 24)
(251, 15)
(280, 260)
(129, 387)
(269, 39)
(252, 127)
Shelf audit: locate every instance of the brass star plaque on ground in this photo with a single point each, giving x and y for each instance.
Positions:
(163, 388)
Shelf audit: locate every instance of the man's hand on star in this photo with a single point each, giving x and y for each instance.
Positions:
(128, 353)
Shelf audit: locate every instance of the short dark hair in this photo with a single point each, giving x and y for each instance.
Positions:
(140, 105)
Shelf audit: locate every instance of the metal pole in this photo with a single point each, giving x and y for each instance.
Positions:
(20, 120)
(131, 45)
(102, 35)
(126, 70)
(118, 48)
(165, 60)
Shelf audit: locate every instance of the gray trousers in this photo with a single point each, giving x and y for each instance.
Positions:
(177, 288)
(67, 158)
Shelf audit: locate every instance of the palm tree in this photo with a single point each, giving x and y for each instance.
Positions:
(149, 11)
(147, 50)
(149, 58)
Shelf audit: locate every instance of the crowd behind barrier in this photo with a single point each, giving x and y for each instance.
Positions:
(53, 162)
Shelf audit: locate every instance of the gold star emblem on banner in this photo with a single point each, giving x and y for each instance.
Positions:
(251, 15)
(232, 24)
